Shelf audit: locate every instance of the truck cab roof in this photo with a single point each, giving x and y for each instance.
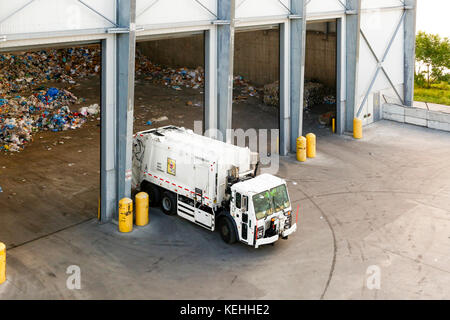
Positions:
(258, 184)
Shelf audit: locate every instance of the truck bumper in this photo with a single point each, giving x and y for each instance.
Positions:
(263, 241)
(287, 232)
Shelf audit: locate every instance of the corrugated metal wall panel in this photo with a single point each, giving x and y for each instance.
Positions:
(152, 12)
(39, 16)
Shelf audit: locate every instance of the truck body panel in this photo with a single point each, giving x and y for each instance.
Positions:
(181, 161)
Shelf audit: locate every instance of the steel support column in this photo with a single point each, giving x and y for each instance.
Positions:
(410, 50)
(352, 27)
(210, 112)
(285, 114)
(225, 54)
(108, 173)
(297, 69)
(340, 85)
(126, 47)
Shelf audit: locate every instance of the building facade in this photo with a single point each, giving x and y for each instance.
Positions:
(374, 58)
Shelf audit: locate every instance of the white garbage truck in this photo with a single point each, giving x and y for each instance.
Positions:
(212, 184)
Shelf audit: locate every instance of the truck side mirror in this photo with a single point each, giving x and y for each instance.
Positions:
(245, 203)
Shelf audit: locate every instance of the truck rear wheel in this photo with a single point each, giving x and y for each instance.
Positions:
(154, 194)
(169, 203)
(227, 231)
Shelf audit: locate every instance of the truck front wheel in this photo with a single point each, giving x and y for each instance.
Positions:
(169, 203)
(227, 231)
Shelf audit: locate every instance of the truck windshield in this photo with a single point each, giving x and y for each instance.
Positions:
(268, 202)
(262, 202)
(280, 198)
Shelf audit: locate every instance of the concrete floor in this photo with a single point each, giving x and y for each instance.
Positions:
(383, 201)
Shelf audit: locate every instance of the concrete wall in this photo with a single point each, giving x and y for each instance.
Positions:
(257, 55)
(176, 52)
(419, 117)
(320, 61)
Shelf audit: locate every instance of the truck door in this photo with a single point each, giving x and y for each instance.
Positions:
(205, 216)
(241, 214)
(201, 179)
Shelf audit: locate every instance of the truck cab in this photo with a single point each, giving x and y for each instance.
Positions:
(261, 210)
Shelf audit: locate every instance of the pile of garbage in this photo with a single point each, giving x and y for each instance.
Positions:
(20, 117)
(24, 71)
(245, 89)
(272, 94)
(315, 93)
(330, 99)
(179, 78)
(26, 108)
(174, 78)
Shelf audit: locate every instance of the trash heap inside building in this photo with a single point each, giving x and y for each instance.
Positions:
(29, 103)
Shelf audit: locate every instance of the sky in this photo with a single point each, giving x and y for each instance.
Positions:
(433, 16)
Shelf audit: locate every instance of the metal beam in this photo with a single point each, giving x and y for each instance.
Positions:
(98, 13)
(240, 4)
(126, 47)
(205, 8)
(284, 6)
(410, 51)
(285, 113)
(53, 36)
(352, 37)
(297, 70)
(147, 8)
(16, 11)
(210, 109)
(225, 54)
(108, 174)
(340, 103)
(343, 4)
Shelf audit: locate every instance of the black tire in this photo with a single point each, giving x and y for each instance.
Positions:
(154, 194)
(169, 203)
(227, 230)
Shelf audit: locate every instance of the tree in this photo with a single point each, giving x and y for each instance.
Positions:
(433, 52)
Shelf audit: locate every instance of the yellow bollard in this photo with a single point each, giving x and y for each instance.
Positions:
(142, 209)
(333, 125)
(126, 215)
(2, 262)
(311, 145)
(301, 149)
(357, 128)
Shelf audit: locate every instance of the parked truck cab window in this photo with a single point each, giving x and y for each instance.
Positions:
(262, 203)
(244, 203)
(266, 203)
(280, 198)
(238, 200)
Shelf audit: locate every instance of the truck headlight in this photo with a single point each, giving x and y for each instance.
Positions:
(260, 232)
(287, 213)
(288, 222)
